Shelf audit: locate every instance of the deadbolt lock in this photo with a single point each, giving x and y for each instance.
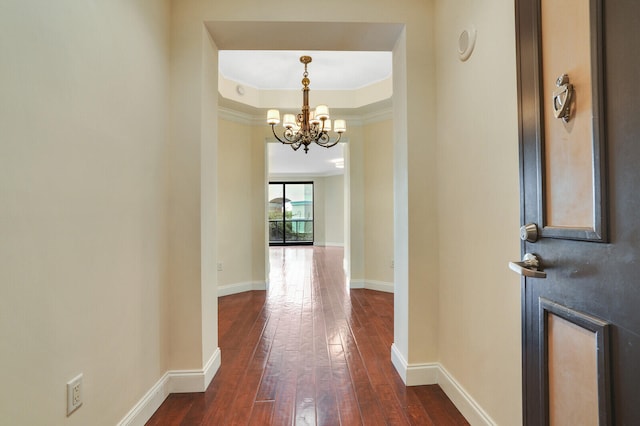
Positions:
(529, 232)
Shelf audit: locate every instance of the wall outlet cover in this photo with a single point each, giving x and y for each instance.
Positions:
(74, 394)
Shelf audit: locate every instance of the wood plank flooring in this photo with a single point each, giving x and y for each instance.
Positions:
(310, 352)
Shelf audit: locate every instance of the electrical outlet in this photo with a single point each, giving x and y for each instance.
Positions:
(74, 394)
(219, 266)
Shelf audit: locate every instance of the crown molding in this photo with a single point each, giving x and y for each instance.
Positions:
(377, 116)
(237, 116)
(286, 176)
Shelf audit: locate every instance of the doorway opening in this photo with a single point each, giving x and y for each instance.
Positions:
(365, 37)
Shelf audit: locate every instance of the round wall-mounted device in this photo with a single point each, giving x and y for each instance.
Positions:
(466, 43)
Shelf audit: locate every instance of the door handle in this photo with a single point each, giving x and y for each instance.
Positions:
(528, 267)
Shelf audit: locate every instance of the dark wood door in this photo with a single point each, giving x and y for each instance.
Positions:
(580, 186)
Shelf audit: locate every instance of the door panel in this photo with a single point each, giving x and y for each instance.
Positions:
(592, 268)
(565, 161)
(575, 357)
(572, 370)
(568, 146)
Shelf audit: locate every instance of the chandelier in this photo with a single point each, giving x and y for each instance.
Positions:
(308, 126)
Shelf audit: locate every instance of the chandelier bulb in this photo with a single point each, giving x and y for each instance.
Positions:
(273, 116)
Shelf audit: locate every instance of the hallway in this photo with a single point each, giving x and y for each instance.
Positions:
(311, 351)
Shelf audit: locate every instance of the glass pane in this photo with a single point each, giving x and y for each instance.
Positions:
(300, 195)
(276, 200)
(275, 210)
(299, 216)
(276, 234)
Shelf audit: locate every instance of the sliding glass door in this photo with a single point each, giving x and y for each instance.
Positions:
(290, 213)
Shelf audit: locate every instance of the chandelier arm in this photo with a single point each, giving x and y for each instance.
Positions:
(325, 140)
(322, 139)
(291, 136)
(287, 141)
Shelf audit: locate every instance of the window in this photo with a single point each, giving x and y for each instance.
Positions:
(290, 213)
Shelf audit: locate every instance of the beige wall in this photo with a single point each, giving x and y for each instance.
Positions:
(334, 210)
(354, 204)
(192, 192)
(378, 201)
(479, 326)
(319, 223)
(236, 204)
(259, 181)
(83, 216)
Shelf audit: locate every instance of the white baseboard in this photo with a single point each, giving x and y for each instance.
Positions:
(356, 283)
(332, 244)
(226, 290)
(435, 373)
(211, 368)
(372, 285)
(173, 381)
(469, 408)
(185, 381)
(414, 374)
(144, 409)
(379, 286)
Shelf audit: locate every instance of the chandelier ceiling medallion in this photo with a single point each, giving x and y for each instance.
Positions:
(308, 126)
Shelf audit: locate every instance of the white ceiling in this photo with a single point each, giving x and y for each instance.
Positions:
(319, 161)
(278, 69)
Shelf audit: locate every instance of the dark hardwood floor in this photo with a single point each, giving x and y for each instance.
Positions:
(310, 352)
